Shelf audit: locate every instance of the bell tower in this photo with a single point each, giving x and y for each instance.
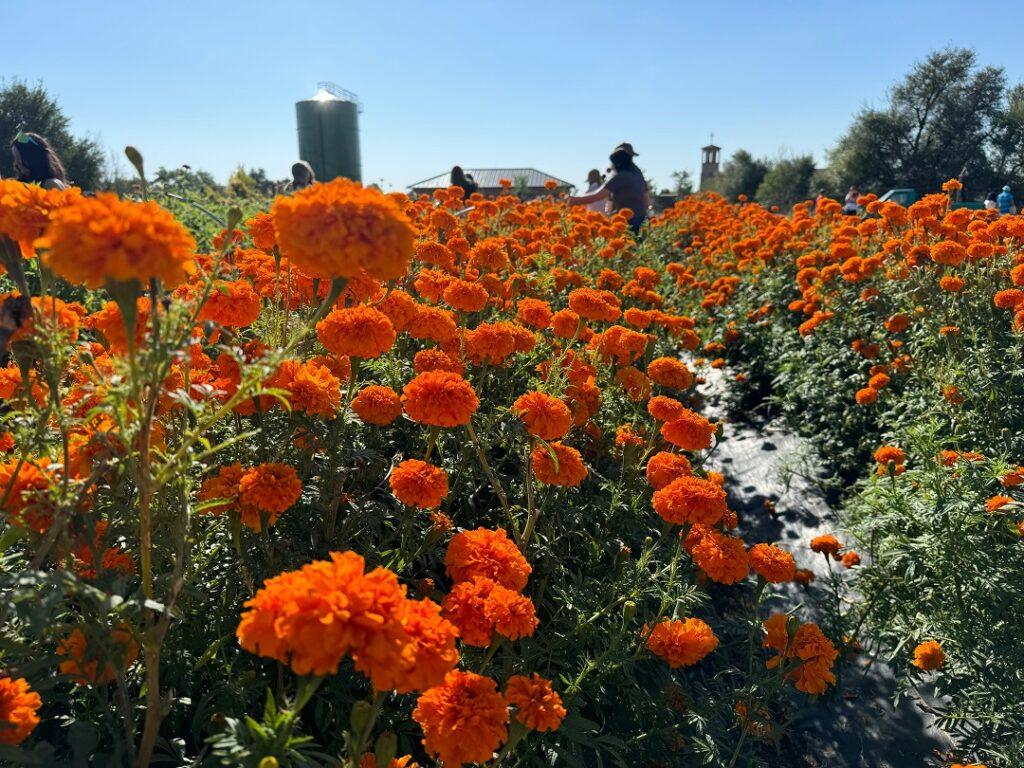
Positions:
(709, 163)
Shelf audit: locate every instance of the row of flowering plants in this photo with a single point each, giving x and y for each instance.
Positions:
(895, 340)
(370, 484)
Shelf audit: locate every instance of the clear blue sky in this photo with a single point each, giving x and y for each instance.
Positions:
(552, 85)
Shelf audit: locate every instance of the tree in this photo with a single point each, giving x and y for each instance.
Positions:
(30, 108)
(946, 114)
(787, 182)
(184, 181)
(682, 184)
(742, 174)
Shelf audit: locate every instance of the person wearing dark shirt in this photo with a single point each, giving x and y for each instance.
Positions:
(35, 162)
(626, 188)
(465, 180)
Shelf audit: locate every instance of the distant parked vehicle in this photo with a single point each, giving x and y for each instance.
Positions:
(907, 197)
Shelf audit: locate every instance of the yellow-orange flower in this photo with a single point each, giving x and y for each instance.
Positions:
(419, 484)
(377, 405)
(270, 488)
(545, 416)
(339, 228)
(97, 664)
(487, 553)
(691, 431)
(464, 720)
(440, 399)
(231, 304)
(670, 372)
(538, 705)
(689, 499)
(565, 468)
(722, 558)
(103, 239)
(19, 705)
(681, 643)
(771, 563)
(664, 467)
(359, 331)
(929, 656)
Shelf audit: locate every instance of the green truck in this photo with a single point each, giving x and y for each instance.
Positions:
(907, 197)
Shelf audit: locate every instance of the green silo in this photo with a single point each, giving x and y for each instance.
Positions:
(328, 126)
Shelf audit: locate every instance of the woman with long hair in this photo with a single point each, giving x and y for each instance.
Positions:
(35, 162)
(626, 188)
(462, 179)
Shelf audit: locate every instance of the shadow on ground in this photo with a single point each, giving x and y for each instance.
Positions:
(855, 725)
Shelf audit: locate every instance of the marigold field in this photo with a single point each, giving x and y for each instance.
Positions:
(358, 480)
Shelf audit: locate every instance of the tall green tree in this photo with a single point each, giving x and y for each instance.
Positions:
(947, 114)
(31, 108)
(682, 183)
(787, 182)
(742, 174)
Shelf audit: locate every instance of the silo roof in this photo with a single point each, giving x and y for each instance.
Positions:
(490, 178)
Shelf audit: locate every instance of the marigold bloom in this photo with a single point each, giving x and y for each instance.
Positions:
(948, 252)
(19, 705)
(722, 558)
(359, 331)
(929, 656)
(826, 544)
(808, 646)
(338, 228)
(851, 559)
(437, 360)
(890, 454)
(565, 468)
(771, 563)
(669, 372)
(664, 467)
(545, 416)
(465, 607)
(25, 211)
(534, 312)
(377, 405)
(440, 399)
(231, 304)
(593, 304)
(419, 484)
(270, 488)
(465, 296)
(665, 408)
(88, 664)
(489, 554)
(566, 324)
(681, 643)
(311, 618)
(311, 387)
(104, 239)
(690, 499)
(464, 719)
(691, 431)
(538, 705)
(261, 230)
(512, 614)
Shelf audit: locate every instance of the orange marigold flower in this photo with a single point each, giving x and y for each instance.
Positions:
(998, 502)
(464, 720)
(681, 643)
(803, 576)
(691, 431)
(566, 324)
(419, 484)
(427, 654)
(890, 454)
(231, 304)
(25, 211)
(545, 416)
(948, 252)
(97, 663)
(814, 653)
(311, 618)
(851, 559)
(929, 656)
(664, 467)
(437, 360)
(270, 488)
(440, 399)
(338, 228)
(465, 607)
(261, 230)
(538, 705)
(722, 558)
(311, 387)
(511, 613)
(565, 467)
(771, 563)
(19, 705)
(826, 544)
(866, 396)
(669, 372)
(105, 239)
(489, 554)
(897, 323)
(593, 304)
(359, 331)
(1013, 478)
(489, 255)
(534, 313)
(951, 283)
(665, 408)
(1011, 298)
(377, 405)
(690, 499)
(465, 296)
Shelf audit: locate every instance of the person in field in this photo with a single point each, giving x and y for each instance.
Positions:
(464, 180)
(302, 176)
(626, 188)
(35, 162)
(990, 201)
(850, 207)
(1006, 203)
(594, 182)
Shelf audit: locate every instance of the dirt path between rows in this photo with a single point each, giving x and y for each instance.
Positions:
(856, 725)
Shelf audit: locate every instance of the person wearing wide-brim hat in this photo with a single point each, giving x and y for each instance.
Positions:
(626, 188)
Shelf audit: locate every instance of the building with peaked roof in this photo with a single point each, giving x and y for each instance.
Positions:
(526, 182)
